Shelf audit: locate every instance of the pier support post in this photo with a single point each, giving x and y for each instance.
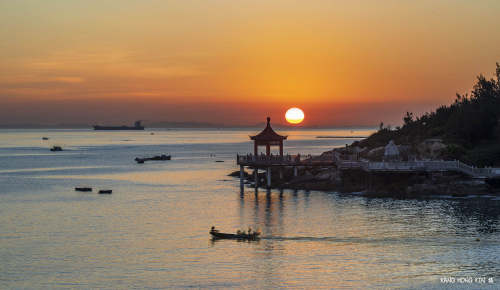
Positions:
(295, 173)
(256, 177)
(370, 181)
(241, 175)
(268, 171)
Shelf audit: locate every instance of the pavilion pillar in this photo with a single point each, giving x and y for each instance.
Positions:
(241, 175)
(281, 148)
(281, 173)
(268, 173)
(256, 177)
(255, 148)
(295, 171)
(268, 149)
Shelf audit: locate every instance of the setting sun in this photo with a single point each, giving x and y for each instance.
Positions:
(294, 116)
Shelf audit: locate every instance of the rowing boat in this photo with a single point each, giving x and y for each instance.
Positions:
(241, 236)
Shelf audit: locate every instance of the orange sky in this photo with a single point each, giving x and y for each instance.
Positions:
(235, 62)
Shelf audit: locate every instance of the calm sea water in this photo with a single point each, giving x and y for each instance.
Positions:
(152, 232)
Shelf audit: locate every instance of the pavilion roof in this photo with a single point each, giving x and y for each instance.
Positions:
(268, 134)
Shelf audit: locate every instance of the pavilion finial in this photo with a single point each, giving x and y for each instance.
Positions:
(268, 120)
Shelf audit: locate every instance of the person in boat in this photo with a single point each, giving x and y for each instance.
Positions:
(213, 230)
(249, 231)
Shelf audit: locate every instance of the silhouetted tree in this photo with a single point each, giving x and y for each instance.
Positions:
(408, 119)
(470, 125)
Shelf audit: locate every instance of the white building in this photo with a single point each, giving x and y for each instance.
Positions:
(391, 152)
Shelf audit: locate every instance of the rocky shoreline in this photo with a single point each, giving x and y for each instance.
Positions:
(376, 184)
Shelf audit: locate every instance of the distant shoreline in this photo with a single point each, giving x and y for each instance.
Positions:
(79, 127)
(341, 137)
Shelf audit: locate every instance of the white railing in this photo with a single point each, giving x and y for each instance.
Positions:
(285, 159)
(422, 166)
(267, 159)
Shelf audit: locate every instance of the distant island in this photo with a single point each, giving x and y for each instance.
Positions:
(137, 126)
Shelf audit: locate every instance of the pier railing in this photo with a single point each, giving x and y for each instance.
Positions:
(421, 166)
(252, 159)
(402, 166)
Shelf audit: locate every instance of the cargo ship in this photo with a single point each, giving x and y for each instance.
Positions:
(137, 126)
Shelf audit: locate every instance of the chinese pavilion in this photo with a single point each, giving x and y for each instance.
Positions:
(268, 138)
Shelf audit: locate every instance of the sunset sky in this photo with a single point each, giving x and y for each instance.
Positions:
(345, 63)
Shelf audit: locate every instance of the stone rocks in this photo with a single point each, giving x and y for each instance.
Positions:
(376, 153)
(237, 174)
(431, 149)
(323, 176)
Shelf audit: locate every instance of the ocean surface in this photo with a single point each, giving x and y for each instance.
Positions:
(152, 232)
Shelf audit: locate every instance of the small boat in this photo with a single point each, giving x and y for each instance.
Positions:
(154, 158)
(105, 191)
(45, 138)
(56, 148)
(83, 189)
(161, 157)
(219, 160)
(238, 236)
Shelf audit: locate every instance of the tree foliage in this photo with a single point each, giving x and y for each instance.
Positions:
(470, 122)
